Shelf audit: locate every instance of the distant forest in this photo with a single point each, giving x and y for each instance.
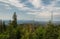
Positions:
(13, 30)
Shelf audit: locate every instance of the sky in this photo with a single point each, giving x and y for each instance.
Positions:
(39, 10)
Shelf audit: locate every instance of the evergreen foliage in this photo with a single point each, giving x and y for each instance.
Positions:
(14, 22)
(28, 31)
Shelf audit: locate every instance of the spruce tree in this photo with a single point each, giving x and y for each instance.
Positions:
(14, 22)
(4, 26)
(1, 27)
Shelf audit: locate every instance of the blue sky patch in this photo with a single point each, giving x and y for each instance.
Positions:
(46, 2)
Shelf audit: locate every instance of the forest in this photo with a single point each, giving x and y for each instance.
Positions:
(13, 30)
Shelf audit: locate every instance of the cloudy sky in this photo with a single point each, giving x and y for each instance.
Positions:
(30, 9)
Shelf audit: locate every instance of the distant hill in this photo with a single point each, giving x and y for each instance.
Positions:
(30, 21)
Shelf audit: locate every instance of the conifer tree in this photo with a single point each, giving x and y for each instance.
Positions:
(4, 26)
(1, 27)
(14, 22)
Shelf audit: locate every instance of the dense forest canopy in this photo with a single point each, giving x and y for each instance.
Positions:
(28, 31)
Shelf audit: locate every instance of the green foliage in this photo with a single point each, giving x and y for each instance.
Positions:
(28, 31)
(14, 22)
(4, 26)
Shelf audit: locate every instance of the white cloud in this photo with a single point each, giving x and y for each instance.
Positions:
(5, 16)
(36, 3)
(6, 1)
(56, 14)
(44, 11)
(7, 6)
(43, 14)
(15, 3)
